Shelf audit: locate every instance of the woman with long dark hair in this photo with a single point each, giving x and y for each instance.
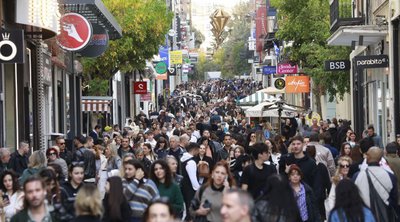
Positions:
(53, 187)
(161, 148)
(161, 174)
(70, 189)
(278, 203)
(349, 205)
(118, 209)
(12, 196)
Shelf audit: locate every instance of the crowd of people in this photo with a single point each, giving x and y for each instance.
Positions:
(198, 159)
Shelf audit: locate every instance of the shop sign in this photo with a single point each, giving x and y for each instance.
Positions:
(47, 76)
(280, 83)
(98, 43)
(140, 87)
(12, 46)
(371, 61)
(161, 68)
(172, 71)
(145, 97)
(175, 57)
(337, 65)
(287, 68)
(297, 84)
(163, 76)
(76, 32)
(267, 70)
(39, 13)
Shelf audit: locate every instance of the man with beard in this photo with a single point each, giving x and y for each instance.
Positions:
(35, 207)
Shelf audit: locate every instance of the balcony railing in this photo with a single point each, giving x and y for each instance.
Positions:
(345, 13)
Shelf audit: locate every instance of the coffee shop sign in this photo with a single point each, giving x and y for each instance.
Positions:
(287, 68)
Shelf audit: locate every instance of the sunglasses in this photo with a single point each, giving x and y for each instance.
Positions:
(78, 163)
(344, 166)
(51, 154)
(61, 143)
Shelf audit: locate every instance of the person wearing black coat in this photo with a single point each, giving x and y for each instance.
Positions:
(116, 205)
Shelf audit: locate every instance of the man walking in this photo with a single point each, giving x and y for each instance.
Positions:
(19, 159)
(35, 207)
(237, 206)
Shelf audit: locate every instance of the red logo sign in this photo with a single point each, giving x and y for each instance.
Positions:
(286, 68)
(140, 88)
(76, 32)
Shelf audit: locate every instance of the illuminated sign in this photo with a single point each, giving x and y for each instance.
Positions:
(44, 14)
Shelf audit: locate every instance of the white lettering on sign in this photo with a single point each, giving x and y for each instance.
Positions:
(371, 62)
(296, 83)
(337, 65)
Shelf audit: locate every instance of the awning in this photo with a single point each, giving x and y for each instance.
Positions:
(269, 109)
(272, 90)
(95, 12)
(96, 104)
(253, 99)
(345, 35)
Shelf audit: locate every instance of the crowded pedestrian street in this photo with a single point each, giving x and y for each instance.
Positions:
(199, 111)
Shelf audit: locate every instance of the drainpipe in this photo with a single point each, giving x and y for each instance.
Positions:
(396, 76)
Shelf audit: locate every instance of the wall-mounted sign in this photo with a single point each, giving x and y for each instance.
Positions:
(267, 70)
(98, 43)
(161, 68)
(76, 32)
(145, 97)
(280, 83)
(47, 75)
(175, 57)
(172, 71)
(297, 84)
(140, 87)
(337, 65)
(12, 46)
(287, 68)
(372, 61)
(44, 14)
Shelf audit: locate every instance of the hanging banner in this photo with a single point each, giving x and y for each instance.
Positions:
(175, 57)
(140, 87)
(297, 84)
(163, 52)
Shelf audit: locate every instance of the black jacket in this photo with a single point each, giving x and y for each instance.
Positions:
(263, 213)
(307, 165)
(18, 163)
(68, 194)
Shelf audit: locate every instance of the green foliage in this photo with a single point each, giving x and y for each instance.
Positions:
(144, 25)
(306, 24)
(199, 38)
(96, 87)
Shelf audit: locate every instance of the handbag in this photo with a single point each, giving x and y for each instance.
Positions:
(203, 169)
(382, 212)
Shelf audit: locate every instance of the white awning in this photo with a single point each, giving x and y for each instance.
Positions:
(270, 109)
(345, 35)
(254, 99)
(99, 104)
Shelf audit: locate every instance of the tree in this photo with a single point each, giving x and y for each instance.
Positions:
(199, 38)
(144, 25)
(306, 24)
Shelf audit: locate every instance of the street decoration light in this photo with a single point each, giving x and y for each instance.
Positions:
(219, 19)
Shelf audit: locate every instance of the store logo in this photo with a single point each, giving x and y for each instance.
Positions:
(297, 84)
(12, 46)
(76, 32)
(373, 61)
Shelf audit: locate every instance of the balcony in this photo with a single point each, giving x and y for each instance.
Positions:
(345, 13)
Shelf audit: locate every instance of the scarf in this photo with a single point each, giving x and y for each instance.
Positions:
(301, 202)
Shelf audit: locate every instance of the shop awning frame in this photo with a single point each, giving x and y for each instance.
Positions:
(96, 12)
(369, 34)
(97, 104)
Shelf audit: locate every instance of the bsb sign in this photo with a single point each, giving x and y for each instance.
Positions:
(337, 65)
